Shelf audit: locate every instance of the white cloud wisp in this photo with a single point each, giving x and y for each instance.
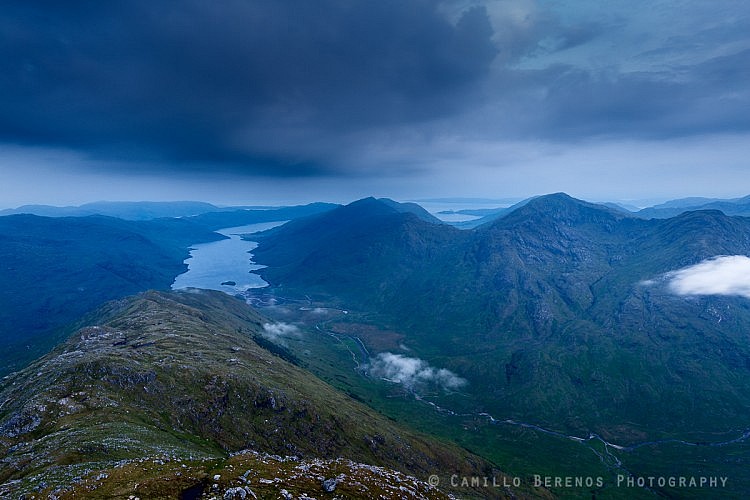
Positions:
(413, 372)
(277, 332)
(722, 275)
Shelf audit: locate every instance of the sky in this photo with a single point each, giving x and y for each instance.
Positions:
(291, 101)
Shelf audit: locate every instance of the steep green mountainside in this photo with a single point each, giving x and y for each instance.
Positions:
(545, 311)
(56, 269)
(164, 391)
(346, 242)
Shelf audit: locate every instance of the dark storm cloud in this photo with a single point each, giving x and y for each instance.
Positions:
(253, 85)
(301, 88)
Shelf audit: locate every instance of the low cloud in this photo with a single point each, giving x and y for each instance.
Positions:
(413, 372)
(277, 332)
(723, 275)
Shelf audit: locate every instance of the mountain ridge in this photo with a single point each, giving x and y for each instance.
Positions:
(128, 210)
(557, 279)
(735, 206)
(180, 375)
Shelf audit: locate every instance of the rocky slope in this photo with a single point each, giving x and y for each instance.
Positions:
(168, 395)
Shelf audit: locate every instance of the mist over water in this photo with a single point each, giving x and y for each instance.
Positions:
(226, 261)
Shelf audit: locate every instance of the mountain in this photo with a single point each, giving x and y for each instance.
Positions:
(170, 395)
(558, 313)
(242, 217)
(621, 207)
(56, 269)
(565, 348)
(736, 206)
(694, 201)
(211, 216)
(346, 242)
(488, 216)
(412, 208)
(129, 210)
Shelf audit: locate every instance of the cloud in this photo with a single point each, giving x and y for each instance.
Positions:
(413, 373)
(582, 71)
(723, 275)
(657, 104)
(342, 90)
(252, 86)
(277, 332)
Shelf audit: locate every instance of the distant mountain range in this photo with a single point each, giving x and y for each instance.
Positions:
(240, 215)
(736, 206)
(148, 210)
(129, 210)
(544, 310)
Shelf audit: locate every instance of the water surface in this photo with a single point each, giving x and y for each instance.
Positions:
(227, 261)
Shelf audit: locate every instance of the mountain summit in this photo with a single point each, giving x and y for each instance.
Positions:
(562, 208)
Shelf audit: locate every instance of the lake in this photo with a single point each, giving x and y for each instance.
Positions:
(230, 260)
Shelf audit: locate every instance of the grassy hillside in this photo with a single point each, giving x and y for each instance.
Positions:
(175, 382)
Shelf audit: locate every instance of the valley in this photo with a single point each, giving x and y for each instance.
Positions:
(56, 269)
(163, 380)
(524, 449)
(550, 343)
(343, 250)
(568, 376)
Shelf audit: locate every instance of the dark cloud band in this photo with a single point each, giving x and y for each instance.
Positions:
(235, 83)
(294, 88)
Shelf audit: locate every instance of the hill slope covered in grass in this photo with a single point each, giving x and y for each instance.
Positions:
(164, 391)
